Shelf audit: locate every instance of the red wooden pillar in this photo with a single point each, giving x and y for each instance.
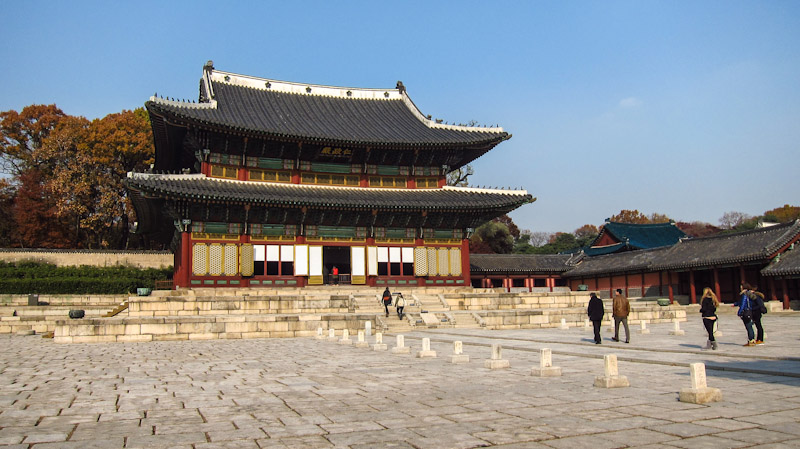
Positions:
(669, 287)
(465, 272)
(551, 283)
(692, 292)
(716, 284)
(785, 287)
(773, 294)
(660, 283)
(204, 168)
(183, 263)
(626, 286)
(643, 288)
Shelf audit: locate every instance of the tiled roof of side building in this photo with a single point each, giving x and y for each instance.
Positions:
(617, 263)
(200, 187)
(787, 265)
(519, 263)
(377, 117)
(641, 236)
(728, 248)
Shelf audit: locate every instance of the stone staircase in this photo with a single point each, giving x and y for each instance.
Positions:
(208, 313)
(17, 316)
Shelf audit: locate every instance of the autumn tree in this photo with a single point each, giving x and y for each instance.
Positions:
(698, 228)
(784, 214)
(636, 217)
(585, 234)
(37, 223)
(75, 167)
(22, 137)
(7, 225)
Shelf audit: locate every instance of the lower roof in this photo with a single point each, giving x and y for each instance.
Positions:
(204, 189)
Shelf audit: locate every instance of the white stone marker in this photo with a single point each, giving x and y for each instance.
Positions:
(368, 328)
(699, 393)
(401, 347)
(458, 355)
(611, 378)
(361, 343)
(644, 329)
(346, 340)
(331, 335)
(677, 330)
(563, 324)
(426, 349)
(320, 335)
(496, 362)
(546, 368)
(379, 344)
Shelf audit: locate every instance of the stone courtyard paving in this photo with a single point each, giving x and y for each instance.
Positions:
(308, 393)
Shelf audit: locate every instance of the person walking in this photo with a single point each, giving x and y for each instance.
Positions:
(400, 303)
(595, 312)
(335, 273)
(745, 312)
(620, 310)
(387, 300)
(759, 308)
(708, 310)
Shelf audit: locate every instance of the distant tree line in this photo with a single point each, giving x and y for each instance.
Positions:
(502, 236)
(62, 177)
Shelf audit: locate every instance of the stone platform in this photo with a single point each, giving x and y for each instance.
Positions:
(263, 313)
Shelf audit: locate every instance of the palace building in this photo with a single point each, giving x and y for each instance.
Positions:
(271, 183)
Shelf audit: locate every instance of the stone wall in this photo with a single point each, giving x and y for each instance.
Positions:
(204, 327)
(100, 258)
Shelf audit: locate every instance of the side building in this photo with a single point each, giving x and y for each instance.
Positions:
(271, 183)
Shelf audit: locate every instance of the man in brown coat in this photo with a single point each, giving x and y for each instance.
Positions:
(621, 308)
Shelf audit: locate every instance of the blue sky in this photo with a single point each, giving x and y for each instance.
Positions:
(686, 108)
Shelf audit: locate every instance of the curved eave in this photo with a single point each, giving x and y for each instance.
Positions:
(237, 196)
(171, 115)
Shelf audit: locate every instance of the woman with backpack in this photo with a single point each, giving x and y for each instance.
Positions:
(708, 310)
(759, 308)
(745, 311)
(387, 300)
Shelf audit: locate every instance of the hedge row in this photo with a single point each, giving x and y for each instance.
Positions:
(43, 278)
(70, 286)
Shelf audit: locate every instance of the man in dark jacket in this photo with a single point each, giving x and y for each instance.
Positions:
(596, 313)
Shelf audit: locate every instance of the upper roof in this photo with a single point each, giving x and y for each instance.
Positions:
(519, 263)
(202, 188)
(642, 236)
(308, 112)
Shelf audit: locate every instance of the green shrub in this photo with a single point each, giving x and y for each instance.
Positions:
(34, 277)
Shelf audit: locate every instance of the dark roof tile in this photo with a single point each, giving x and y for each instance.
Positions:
(444, 199)
(327, 114)
(518, 263)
